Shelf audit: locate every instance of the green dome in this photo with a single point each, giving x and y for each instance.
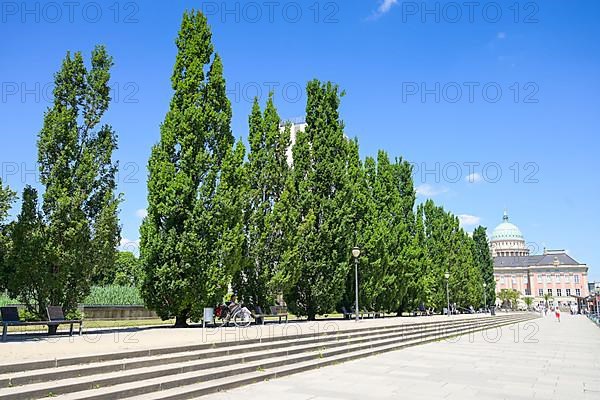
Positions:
(506, 231)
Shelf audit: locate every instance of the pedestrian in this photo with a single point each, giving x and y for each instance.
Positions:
(557, 313)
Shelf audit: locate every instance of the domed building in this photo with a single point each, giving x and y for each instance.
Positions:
(553, 273)
(507, 240)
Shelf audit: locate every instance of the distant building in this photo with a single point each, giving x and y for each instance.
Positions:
(554, 272)
(296, 126)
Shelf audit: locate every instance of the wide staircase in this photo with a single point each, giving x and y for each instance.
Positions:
(192, 371)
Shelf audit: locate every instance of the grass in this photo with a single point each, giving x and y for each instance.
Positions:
(114, 295)
(111, 295)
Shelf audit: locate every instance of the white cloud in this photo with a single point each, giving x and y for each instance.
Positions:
(474, 178)
(469, 220)
(429, 191)
(141, 213)
(130, 245)
(384, 7)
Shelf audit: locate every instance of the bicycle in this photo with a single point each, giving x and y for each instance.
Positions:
(239, 318)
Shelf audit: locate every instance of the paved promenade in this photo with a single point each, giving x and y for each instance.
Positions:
(541, 359)
(21, 348)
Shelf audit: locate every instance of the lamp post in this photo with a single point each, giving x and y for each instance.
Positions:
(356, 254)
(447, 276)
(484, 297)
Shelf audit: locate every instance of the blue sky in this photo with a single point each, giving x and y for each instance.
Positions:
(496, 105)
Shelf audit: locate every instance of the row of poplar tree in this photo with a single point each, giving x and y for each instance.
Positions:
(221, 216)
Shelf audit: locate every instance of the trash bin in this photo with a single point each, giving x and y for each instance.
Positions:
(209, 316)
(492, 310)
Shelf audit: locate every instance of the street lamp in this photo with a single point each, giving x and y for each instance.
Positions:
(356, 254)
(484, 297)
(447, 276)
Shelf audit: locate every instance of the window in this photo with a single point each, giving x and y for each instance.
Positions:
(558, 292)
(567, 278)
(576, 279)
(550, 292)
(577, 292)
(539, 278)
(524, 278)
(548, 278)
(502, 279)
(557, 277)
(568, 292)
(514, 280)
(541, 292)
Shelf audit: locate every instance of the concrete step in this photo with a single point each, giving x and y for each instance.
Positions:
(144, 380)
(50, 374)
(194, 384)
(136, 354)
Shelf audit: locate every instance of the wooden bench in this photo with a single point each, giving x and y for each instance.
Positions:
(10, 317)
(276, 312)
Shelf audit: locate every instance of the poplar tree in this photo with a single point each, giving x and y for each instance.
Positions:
(7, 196)
(359, 203)
(266, 173)
(317, 263)
(483, 258)
(450, 249)
(30, 280)
(390, 236)
(186, 242)
(79, 205)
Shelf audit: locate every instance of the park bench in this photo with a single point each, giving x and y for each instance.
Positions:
(369, 314)
(10, 317)
(348, 314)
(275, 311)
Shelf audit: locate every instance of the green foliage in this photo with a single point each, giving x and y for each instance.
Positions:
(389, 264)
(6, 300)
(75, 314)
(7, 197)
(191, 238)
(26, 315)
(449, 249)
(215, 219)
(115, 295)
(483, 258)
(57, 250)
(126, 271)
(266, 173)
(509, 298)
(316, 263)
(29, 279)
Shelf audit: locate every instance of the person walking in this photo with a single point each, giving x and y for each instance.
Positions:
(557, 313)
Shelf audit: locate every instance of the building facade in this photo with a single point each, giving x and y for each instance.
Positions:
(554, 272)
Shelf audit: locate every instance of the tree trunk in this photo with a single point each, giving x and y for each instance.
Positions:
(181, 321)
(311, 313)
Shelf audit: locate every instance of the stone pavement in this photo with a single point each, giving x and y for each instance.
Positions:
(540, 359)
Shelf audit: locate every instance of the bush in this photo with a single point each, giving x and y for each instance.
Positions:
(5, 300)
(114, 295)
(25, 315)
